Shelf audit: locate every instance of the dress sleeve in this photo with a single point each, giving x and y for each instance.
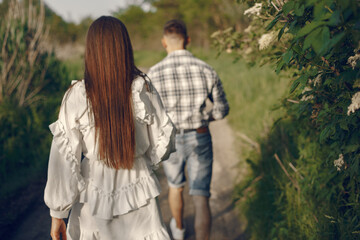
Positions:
(64, 179)
(161, 132)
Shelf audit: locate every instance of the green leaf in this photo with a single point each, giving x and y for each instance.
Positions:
(299, 11)
(311, 38)
(273, 22)
(288, 7)
(320, 44)
(344, 126)
(297, 49)
(281, 32)
(336, 39)
(354, 170)
(296, 83)
(325, 134)
(326, 16)
(310, 2)
(313, 72)
(345, 3)
(335, 19)
(287, 56)
(280, 66)
(304, 79)
(351, 148)
(309, 28)
(319, 9)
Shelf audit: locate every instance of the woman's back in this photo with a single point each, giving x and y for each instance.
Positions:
(110, 132)
(77, 177)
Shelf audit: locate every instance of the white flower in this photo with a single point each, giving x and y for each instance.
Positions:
(306, 97)
(317, 80)
(248, 29)
(355, 103)
(255, 10)
(338, 163)
(356, 83)
(266, 39)
(248, 51)
(306, 89)
(353, 60)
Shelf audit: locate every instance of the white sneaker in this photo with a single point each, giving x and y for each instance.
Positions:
(177, 234)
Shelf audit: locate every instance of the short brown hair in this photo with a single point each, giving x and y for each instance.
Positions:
(175, 27)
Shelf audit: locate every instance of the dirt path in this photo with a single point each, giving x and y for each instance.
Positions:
(36, 223)
(225, 225)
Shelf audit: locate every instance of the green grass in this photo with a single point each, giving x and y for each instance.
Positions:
(75, 66)
(253, 93)
(146, 58)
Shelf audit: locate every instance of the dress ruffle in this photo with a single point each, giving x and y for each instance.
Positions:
(80, 84)
(162, 144)
(141, 112)
(161, 234)
(65, 149)
(127, 198)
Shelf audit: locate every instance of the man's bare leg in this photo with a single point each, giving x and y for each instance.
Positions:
(176, 202)
(202, 217)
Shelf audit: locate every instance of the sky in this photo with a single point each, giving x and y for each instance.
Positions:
(75, 10)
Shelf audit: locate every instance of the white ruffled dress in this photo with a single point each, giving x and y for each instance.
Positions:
(106, 203)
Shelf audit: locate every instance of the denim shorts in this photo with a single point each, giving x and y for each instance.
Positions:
(195, 151)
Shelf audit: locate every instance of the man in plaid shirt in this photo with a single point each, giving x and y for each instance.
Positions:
(184, 84)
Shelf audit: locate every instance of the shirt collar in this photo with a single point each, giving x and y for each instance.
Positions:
(179, 53)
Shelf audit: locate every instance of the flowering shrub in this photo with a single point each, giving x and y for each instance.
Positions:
(355, 103)
(317, 41)
(325, 35)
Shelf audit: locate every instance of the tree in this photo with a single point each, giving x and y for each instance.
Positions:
(202, 18)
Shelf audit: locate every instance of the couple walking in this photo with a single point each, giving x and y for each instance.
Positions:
(117, 125)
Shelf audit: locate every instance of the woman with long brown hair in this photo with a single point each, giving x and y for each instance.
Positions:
(111, 131)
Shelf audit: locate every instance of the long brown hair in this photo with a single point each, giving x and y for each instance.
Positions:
(109, 73)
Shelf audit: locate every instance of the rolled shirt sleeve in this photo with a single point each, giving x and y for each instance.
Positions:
(220, 107)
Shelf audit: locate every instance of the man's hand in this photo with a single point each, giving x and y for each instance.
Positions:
(58, 228)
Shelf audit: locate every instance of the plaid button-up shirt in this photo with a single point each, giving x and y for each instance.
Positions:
(184, 84)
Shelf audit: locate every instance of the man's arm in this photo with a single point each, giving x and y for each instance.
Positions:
(217, 96)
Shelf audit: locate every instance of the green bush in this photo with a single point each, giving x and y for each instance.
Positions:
(307, 200)
(31, 87)
(304, 184)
